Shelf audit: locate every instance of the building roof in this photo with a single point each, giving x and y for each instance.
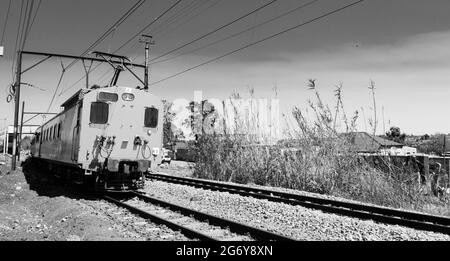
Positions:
(364, 142)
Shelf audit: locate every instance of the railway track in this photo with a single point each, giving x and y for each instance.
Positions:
(410, 219)
(193, 224)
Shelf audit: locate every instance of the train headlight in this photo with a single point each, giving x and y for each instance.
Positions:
(149, 132)
(127, 96)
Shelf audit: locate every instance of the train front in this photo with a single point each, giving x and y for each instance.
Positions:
(120, 136)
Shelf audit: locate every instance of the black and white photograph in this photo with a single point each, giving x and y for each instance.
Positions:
(249, 122)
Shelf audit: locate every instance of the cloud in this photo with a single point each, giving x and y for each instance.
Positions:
(421, 52)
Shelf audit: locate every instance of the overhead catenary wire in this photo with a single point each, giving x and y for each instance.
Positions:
(24, 26)
(259, 41)
(27, 28)
(57, 86)
(184, 13)
(35, 14)
(23, 30)
(215, 30)
(148, 25)
(19, 23)
(162, 33)
(239, 33)
(171, 20)
(110, 30)
(127, 42)
(176, 14)
(6, 23)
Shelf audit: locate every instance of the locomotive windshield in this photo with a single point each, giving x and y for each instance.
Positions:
(108, 96)
(151, 118)
(99, 113)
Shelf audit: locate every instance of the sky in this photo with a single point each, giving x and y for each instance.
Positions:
(400, 45)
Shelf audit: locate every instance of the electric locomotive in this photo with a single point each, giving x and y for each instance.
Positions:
(107, 137)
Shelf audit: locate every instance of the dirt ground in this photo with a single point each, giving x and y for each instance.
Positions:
(176, 168)
(35, 207)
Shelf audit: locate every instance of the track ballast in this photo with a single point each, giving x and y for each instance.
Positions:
(193, 224)
(385, 215)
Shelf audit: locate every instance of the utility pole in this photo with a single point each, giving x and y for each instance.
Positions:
(446, 168)
(19, 140)
(147, 40)
(16, 108)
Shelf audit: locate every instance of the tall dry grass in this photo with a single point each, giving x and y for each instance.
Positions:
(316, 158)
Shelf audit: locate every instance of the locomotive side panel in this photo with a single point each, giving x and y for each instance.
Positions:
(69, 123)
(54, 140)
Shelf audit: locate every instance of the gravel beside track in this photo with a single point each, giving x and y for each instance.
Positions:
(293, 221)
(211, 231)
(140, 227)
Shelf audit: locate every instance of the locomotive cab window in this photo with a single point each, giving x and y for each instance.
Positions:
(151, 118)
(99, 113)
(107, 96)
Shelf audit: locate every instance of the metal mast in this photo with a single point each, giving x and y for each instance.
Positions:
(147, 40)
(16, 109)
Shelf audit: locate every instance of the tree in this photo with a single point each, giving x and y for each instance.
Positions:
(202, 118)
(170, 132)
(25, 143)
(425, 137)
(395, 134)
(433, 145)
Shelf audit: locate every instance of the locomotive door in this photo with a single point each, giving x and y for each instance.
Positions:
(75, 142)
(39, 145)
(76, 135)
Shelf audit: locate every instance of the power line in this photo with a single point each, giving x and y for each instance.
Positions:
(215, 30)
(24, 23)
(187, 8)
(57, 86)
(173, 17)
(35, 14)
(122, 19)
(162, 33)
(259, 41)
(6, 22)
(183, 12)
(19, 23)
(238, 33)
(212, 32)
(171, 20)
(97, 42)
(24, 28)
(148, 25)
(27, 29)
(127, 42)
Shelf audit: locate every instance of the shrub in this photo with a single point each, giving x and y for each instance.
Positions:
(315, 158)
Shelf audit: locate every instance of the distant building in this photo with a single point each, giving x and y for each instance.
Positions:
(363, 142)
(6, 140)
(6, 137)
(404, 151)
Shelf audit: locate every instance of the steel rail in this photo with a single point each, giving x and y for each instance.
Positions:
(186, 231)
(381, 214)
(214, 220)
